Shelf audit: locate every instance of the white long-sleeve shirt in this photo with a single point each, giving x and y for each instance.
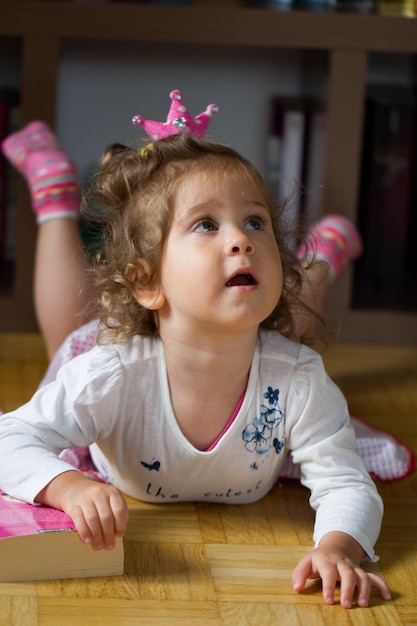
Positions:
(115, 399)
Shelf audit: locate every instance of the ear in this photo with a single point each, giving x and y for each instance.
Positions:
(147, 294)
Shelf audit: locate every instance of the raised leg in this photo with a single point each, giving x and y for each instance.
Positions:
(332, 243)
(61, 285)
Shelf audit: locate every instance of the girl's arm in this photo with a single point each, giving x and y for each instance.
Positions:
(347, 504)
(75, 410)
(98, 511)
(322, 440)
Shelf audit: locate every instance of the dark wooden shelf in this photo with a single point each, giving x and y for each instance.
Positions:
(233, 26)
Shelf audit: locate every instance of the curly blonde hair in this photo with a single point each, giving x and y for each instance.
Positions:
(133, 200)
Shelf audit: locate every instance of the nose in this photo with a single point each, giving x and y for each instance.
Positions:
(248, 249)
(240, 243)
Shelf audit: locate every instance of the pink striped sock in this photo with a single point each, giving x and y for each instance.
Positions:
(51, 176)
(333, 239)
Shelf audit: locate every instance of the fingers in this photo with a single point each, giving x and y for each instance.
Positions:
(100, 516)
(302, 572)
(110, 521)
(379, 583)
(330, 578)
(362, 582)
(353, 580)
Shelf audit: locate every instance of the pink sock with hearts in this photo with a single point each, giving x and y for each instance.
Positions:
(51, 176)
(333, 239)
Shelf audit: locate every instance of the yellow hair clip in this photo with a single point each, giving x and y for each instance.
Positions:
(144, 152)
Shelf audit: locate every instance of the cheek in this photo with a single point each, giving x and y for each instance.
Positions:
(179, 272)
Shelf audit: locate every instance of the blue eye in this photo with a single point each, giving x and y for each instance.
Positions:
(255, 223)
(205, 226)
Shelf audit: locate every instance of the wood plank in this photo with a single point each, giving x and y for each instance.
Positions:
(345, 113)
(208, 25)
(97, 612)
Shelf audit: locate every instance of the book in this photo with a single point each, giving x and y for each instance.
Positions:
(38, 542)
(4, 127)
(292, 5)
(386, 197)
(286, 153)
(356, 6)
(402, 8)
(274, 147)
(9, 123)
(12, 178)
(295, 156)
(314, 166)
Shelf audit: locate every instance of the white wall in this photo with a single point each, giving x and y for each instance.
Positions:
(102, 85)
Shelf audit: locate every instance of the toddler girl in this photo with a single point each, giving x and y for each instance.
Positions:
(196, 389)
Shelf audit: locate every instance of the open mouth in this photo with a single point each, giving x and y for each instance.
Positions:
(241, 279)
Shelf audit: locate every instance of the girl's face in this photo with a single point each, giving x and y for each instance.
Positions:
(221, 268)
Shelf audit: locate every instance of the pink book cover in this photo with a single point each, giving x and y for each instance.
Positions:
(18, 518)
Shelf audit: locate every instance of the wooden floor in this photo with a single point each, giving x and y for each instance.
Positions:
(215, 565)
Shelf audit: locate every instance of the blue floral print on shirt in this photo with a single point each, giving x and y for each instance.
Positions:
(259, 434)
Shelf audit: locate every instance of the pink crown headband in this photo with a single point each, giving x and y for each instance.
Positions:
(178, 120)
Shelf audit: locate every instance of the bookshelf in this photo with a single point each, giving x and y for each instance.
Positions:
(348, 39)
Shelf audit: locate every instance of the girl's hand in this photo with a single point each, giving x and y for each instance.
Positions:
(98, 511)
(336, 560)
